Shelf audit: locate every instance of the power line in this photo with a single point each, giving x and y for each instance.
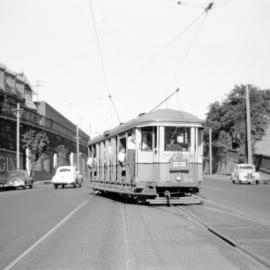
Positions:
(99, 46)
(182, 59)
(170, 43)
(188, 4)
(101, 58)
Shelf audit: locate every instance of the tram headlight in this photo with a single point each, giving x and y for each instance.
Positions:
(179, 177)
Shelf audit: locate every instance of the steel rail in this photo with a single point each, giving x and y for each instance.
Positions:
(199, 222)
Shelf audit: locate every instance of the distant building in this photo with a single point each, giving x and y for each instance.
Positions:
(262, 152)
(39, 116)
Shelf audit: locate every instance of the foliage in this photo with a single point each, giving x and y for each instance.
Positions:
(227, 120)
(3, 102)
(37, 143)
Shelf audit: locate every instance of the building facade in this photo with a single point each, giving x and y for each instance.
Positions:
(38, 116)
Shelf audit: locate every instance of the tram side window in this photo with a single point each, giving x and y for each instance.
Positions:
(148, 138)
(177, 138)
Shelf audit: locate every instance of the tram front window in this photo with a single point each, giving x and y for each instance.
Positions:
(148, 138)
(177, 139)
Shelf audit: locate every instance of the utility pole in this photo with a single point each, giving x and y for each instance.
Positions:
(249, 153)
(18, 112)
(77, 147)
(210, 151)
(37, 86)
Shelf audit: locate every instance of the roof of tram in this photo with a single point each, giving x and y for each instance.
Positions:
(159, 116)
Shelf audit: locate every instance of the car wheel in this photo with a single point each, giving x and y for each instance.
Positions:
(233, 181)
(257, 182)
(24, 186)
(74, 185)
(31, 186)
(55, 186)
(63, 185)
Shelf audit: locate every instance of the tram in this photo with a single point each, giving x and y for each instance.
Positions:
(155, 158)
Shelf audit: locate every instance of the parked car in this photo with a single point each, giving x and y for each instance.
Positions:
(245, 173)
(67, 175)
(19, 178)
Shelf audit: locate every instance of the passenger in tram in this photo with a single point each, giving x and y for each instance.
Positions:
(122, 156)
(131, 142)
(146, 142)
(173, 146)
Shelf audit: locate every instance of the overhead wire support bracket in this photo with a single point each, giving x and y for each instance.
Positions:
(210, 6)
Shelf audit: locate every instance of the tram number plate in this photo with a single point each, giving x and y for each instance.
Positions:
(179, 163)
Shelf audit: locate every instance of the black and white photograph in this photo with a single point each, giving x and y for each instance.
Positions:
(134, 135)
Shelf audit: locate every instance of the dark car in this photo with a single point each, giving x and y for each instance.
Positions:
(19, 178)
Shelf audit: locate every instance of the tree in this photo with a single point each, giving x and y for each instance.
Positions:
(228, 120)
(37, 143)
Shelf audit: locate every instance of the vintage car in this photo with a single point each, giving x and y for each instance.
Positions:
(19, 178)
(245, 173)
(67, 175)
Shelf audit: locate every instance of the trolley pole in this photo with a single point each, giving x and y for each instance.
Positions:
(210, 151)
(249, 153)
(78, 147)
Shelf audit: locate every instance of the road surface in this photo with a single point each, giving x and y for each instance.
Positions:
(72, 228)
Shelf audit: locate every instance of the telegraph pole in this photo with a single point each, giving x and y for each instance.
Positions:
(210, 151)
(18, 112)
(77, 147)
(249, 153)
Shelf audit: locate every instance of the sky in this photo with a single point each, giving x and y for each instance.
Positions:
(139, 52)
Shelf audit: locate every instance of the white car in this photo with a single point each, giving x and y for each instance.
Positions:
(245, 173)
(67, 175)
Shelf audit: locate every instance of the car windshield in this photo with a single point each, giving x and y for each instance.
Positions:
(15, 173)
(246, 167)
(64, 170)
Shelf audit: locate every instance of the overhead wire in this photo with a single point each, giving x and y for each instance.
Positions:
(188, 4)
(170, 43)
(102, 59)
(181, 60)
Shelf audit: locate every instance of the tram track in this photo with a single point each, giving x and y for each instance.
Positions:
(230, 211)
(181, 212)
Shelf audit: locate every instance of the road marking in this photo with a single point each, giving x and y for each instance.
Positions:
(51, 231)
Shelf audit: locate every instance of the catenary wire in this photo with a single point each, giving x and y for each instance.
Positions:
(101, 58)
(170, 43)
(181, 60)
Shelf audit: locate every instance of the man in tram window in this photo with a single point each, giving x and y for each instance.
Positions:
(174, 145)
(122, 156)
(131, 142)
(146, 141)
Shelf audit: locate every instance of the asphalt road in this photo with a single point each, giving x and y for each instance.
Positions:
(251, 200)
(71, 228)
